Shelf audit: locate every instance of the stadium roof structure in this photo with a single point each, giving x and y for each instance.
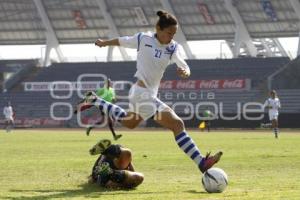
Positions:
(249, 27)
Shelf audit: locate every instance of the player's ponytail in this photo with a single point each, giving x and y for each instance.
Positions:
(165, 19)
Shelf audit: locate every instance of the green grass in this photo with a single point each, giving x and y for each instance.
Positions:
(54, 164)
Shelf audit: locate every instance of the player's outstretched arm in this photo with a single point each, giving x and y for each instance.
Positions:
(104, 43)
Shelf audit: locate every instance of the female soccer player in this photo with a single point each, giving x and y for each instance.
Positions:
(155, 51)
(8, 112)
(114, 168)
(273, 104)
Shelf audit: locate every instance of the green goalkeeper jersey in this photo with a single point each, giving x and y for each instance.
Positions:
(108, 94)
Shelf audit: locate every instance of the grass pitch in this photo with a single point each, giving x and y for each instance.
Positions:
(54, 164)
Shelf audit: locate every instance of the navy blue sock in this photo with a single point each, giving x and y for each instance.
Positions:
(114, 111)
(189, 147)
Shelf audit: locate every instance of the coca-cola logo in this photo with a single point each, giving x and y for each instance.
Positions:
(186, 84)
(238, 83)
(204, 84)
(48, 121)
(166, 85)
(32, 122)
(210, 84)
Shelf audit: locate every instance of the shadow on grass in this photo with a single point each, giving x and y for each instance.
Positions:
(196, 192)
(86, 190)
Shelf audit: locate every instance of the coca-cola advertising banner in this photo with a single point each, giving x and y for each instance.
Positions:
(220, 84)
(67, 85)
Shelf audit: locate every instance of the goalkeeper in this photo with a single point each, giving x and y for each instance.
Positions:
(107, 93)
(114, 168)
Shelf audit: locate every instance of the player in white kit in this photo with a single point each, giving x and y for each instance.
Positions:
(155, 51)
(273, 104)
(9, 117)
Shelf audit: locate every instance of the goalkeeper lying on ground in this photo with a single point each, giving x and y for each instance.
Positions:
(114, 168)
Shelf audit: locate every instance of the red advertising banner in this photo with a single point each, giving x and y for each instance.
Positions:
(244, 84)
(35, 122)
(220, 84)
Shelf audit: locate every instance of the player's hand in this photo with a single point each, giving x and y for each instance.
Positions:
(100, 43)
(183, 73)
(103, 169)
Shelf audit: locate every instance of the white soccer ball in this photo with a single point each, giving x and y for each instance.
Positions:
(214, 180)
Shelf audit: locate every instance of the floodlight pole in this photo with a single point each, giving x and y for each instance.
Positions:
(296, 6)
(241, 35)
(52, 41)
(110, 53)
(280, 47)
(112, 27)
(179, 35)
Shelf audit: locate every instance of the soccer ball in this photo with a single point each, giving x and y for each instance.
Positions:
(214, 180)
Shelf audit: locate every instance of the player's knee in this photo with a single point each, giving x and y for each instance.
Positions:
(131, 121)
(138, 179)
(131, 126)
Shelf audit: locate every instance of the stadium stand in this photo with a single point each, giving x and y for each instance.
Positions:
(37, 104)
(14, 71)
(254, 68)
(288, 78)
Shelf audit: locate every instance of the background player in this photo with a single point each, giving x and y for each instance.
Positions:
(9, 116)
(273, 104)
(108, 94)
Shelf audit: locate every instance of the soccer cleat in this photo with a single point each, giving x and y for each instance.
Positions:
(86, 102)
(100, 147)
(116, 137)
(103, 169)
(209, 161)
(88, 130)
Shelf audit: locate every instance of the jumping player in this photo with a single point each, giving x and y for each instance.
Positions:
(155, 51)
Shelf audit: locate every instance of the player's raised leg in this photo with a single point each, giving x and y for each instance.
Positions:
(91, 99)
(115, 112)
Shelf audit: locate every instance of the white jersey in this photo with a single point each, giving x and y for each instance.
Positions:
(153, 57)
(274, 105)
(8, 112)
